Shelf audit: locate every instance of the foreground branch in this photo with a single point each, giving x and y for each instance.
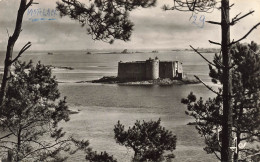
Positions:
(204, 57)
(25, 47)
(244, 37)
(29, 4)
(212, 42)
(236, 18)
(6, 136)
(210, 88)
(251, 155)
(60, 143)
(194, 6)
(231, 5)
(214, 22)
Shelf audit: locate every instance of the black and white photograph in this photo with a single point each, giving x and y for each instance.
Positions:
(129, 80)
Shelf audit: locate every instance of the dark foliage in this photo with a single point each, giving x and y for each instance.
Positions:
(31, 113)
(149, 140)
(106, 20)
(10, 46)
(102, 157)
(222, 74)
(245, 100)
(192, 5)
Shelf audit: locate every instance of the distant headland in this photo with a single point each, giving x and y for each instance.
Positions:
(136, 51)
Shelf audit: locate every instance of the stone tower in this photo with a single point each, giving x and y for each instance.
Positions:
(152, 68)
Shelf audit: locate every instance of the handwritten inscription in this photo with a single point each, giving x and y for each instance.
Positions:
(197, 20)
(41, 14)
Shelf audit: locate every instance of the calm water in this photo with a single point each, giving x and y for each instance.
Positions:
(103, 105)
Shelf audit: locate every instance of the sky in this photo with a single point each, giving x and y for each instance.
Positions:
(153, 29)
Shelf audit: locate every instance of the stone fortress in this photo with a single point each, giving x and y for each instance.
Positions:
(149, 70)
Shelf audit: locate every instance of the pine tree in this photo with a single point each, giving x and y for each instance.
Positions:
(106, 20)
(226, 64)
(31, 114)
(10, 46)
(246, 113)
(149, 140)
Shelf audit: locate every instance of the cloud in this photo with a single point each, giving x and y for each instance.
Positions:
(154, 28)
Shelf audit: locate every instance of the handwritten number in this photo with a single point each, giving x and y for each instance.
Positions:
(194, 21)
(200, 22)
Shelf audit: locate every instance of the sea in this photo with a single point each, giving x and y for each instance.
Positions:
(101, 106)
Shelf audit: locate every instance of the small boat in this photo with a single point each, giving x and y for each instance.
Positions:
(155, 51)
(50, 53)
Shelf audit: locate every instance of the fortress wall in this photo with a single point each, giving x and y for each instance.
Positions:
(175, 69)
(131, 70)
(166, 69)
(149, 70)
(180, 70)
(152, 69)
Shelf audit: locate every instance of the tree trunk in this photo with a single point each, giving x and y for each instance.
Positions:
(238, 141)
(9, 156)
(226, 152)
(9, 51)
(18, 144)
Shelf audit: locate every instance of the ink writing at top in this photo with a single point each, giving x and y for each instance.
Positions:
(40, 14)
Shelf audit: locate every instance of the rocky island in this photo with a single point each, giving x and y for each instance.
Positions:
(160, 82)
(149, 72)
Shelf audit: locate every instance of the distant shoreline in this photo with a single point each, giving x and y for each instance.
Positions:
(120, 51)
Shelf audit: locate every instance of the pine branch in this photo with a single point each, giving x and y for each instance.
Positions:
(13, 132)
(25, 47)
(215, 153)
(167, 7)
(204, 134)
(214, 22)
(236, 18)
(212, 42)
(6, 136)
(251, 155)
(60, 143)
(244, 37)
(5, 147)
(8, 142)
(210, 88)
(231, 5)
(29, 4)
(194, 6)
(204, 57)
